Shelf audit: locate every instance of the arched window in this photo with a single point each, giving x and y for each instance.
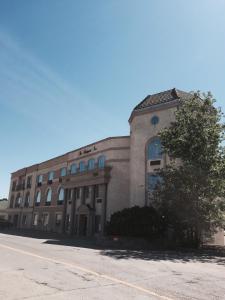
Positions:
(27, 200)
(38, 198)
(154, 149)
(82, 166)
(49, 196)
(61, 194)
(101, 161)
(63, 172)
(73, 169)
(91, 164)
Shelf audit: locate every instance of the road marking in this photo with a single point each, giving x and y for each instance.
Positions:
(75, 266)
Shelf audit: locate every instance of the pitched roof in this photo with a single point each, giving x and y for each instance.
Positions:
(161, 98)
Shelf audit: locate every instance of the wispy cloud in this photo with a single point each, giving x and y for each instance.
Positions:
(31, 88)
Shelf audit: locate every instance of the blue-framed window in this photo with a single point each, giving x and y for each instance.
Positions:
(49, 195)
(63, 172)
(50, 175)
(82, 166)
(91, 164)
(61, 194)
(154, 150)
(38, 197)
(101, 161)
(153, 181)
(73, 169)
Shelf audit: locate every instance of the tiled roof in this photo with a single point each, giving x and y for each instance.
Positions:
(163, 97)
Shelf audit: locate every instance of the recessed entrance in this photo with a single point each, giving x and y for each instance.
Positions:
(83, 225)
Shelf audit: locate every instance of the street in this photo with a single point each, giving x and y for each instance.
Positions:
(37, 268)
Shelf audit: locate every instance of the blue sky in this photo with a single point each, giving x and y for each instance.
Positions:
(72, 70)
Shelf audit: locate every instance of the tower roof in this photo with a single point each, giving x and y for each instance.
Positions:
(161, 98)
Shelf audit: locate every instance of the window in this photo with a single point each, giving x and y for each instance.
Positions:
(39, 178)
(58, 219)
(73, 169)
(81, 166)
(35, 220)
(86, 191)
(101, 161)
(18, 201)
(154, 149)
(38, 198)
(45, 219)
(50, 175)
(24, 220)
(96, 189)
(154, 120)
(77, 193)
(91, 164)
(29, 182)
(61, 195)
(63, 172)
(27, 200)
(49, 196)
(14, 186)
(153, 181)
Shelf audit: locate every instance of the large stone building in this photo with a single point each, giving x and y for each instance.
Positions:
(77, 192)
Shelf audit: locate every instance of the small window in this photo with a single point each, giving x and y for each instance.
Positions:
(45, 219)
(101, 161)
(86, 191)
(82, 166)
(49, 196)
(58, 219)
(73, 169)
(14, 186)
(39, 178)
(154, 120)
(154, 149)
(61, 194)
(50, 175)
(27, 200)
(63, 172)
(35, 220)
(91, 164)
(29, 182)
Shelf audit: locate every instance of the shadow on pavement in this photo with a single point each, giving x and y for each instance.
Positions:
(134, 249)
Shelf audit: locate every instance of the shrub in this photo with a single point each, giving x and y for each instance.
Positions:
(136, 222)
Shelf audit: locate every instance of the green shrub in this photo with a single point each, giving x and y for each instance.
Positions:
(136, 222)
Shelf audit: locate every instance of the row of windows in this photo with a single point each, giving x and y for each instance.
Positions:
(49, 196)
(74, 168)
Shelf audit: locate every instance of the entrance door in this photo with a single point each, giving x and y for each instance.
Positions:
(83, 225)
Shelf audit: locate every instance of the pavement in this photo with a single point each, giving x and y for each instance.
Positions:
(50, 268)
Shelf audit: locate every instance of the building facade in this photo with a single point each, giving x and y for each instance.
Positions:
(76, 193)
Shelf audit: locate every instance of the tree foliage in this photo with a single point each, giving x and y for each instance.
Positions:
(136, 222)
(192, 193)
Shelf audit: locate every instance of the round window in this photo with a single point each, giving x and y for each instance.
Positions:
(154, 120)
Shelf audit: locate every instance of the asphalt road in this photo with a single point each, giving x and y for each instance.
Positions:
(32, 268)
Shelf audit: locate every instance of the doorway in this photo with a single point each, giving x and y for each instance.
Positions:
(83, 225)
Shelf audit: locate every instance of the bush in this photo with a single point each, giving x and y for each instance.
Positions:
(136, 222)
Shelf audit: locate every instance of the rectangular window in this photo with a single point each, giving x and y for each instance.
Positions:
(14, 186)
(86, 192)
(58, 219)
(78, 193)
(29, 182)
(39, 178)
(24, 220)
(35, 220)
(45, 219)
(96, 191)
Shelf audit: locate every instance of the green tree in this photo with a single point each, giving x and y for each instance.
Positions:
(191, 195)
